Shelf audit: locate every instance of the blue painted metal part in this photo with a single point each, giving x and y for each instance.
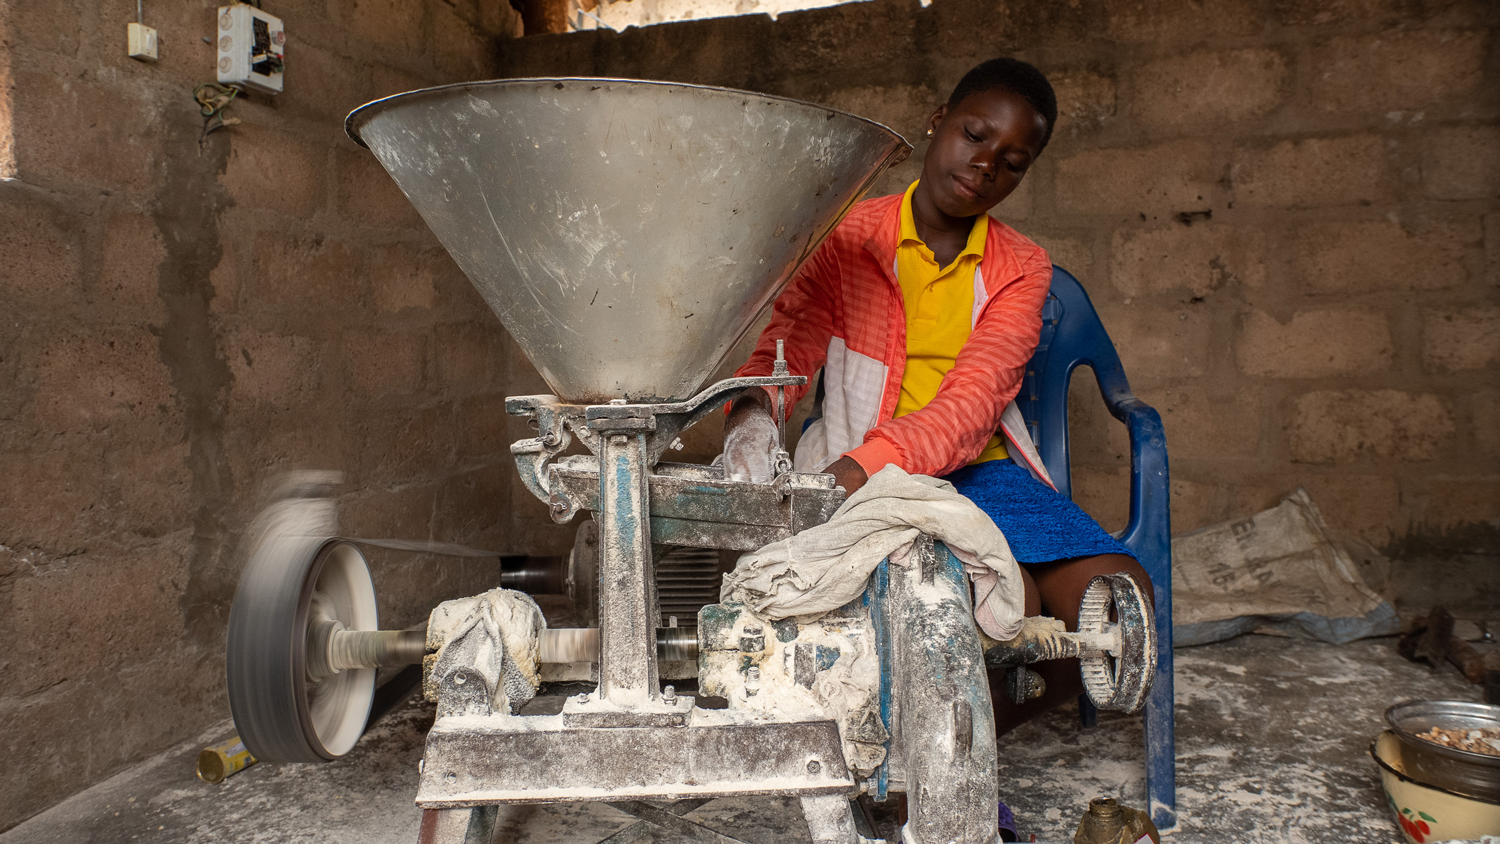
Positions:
(875, 600)
(1073, 336)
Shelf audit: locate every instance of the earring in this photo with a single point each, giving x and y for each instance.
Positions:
(929, 133)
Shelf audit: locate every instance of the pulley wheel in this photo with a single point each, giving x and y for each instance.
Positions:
(288, 705)
(1119, 679)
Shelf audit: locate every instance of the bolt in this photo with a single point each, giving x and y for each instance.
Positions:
(450, 777)
(459, 679)
(583, 698)
(754, 629)
(754, 672)
(814, 766)
(671, 621)
(669, 694)
(617, 401)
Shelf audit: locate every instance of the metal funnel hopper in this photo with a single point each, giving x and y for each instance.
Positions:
(626, 233)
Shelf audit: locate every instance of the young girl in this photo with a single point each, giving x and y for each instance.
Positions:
(922, 311)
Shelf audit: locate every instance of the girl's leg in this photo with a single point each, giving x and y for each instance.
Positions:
(1056, 589)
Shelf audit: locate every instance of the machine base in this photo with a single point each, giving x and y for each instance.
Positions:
(469, 765)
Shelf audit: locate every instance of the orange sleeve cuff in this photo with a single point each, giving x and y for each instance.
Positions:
(874, 455)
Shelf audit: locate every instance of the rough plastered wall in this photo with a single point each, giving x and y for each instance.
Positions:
(183, 320)
(1286, 211)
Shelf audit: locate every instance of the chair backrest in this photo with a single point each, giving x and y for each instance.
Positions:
(1072, 336)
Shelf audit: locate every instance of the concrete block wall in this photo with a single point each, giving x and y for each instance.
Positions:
(1287, 214)
(184, 318)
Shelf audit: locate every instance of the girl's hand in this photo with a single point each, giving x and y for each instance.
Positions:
(848, 474)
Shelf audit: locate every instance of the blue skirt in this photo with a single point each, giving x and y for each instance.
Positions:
(1040, 524)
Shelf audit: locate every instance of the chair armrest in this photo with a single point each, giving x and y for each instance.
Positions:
(1149, 531)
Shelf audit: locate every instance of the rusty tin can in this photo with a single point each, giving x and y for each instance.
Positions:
(221, 761)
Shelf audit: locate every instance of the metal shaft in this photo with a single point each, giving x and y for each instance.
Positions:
(627, 617)
(349, 649)
(581, 644)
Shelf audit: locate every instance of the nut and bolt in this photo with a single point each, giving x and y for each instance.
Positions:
(669, 694)
(814, 766)
(460, 678)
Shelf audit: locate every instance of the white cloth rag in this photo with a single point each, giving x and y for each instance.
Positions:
(825, 567)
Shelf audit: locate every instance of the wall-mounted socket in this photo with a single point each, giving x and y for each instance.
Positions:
(142, 40)
(252, 48)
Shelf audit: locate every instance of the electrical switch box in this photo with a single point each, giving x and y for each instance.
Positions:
(252, 48)
(142, 42)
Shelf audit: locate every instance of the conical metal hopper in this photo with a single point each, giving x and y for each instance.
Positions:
(626, 233)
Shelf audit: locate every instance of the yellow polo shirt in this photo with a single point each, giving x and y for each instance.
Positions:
(939, 314)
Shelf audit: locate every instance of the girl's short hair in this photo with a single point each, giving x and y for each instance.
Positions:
(1017, 77)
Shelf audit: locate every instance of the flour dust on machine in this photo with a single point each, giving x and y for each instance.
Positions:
(628, 234)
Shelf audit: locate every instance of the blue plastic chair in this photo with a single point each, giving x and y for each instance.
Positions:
(1073, 336)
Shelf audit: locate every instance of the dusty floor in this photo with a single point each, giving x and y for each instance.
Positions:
(1271, 748)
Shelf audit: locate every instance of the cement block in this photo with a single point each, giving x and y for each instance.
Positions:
(1366, 505)
(1206, 88)
(458, 51)
(1462, 163)
(1324, 12)
(106, 379)
(1196, 259)
(1366, 255)
(1461, 502)
(150, 492)
(470, 506)
(1179, 21)
(307, 274)
(904, 108)
(381, 363)
(121, 609)
(471, 357)
(403, 512)
(275, 170)
(130, 268)
(402, 277)
(50, 274)
(1074, 254)
(1484, 409)
(1103, 494)
(79, 132)
(1313, 173)
(1458, 341)
(366, 194)
(1086, 100)
(273, 369)
(416, 443)
(1492, 250)
(387, 31)
(1416, 70)
(1198, 504)
(1345, 426)
(1161, 343)
(1314, 343)
(54, 500)
(482, 428)
(1156, 181)
(1208, 424)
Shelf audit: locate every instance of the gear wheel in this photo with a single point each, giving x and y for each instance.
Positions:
(1118, 679)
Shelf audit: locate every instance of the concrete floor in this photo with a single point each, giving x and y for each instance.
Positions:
(1271, 741)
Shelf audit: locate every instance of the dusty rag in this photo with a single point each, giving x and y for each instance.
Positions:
(825, 567)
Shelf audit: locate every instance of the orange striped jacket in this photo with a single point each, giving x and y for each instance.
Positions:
(844, 312)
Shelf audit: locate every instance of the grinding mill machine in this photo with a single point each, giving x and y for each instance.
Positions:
(628, 234)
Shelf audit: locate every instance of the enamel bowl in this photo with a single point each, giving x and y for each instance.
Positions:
(1426, 813)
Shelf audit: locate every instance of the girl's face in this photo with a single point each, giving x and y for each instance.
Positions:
(980, 149)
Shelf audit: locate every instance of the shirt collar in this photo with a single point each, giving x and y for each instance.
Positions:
(977, 234)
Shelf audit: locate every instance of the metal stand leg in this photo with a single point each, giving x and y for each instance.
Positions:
(945, 723)
(830, 819)
(627, 632)
(458, 826)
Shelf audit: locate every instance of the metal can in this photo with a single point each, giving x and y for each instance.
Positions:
(220, 761)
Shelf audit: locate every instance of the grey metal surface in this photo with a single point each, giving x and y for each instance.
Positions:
(627, 233)
(944, 722)
(1474, 774)
(627, 588)
(465, 765)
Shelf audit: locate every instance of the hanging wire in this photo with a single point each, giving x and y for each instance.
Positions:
(212, 99)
